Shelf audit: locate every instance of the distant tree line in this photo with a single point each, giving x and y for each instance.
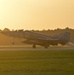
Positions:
(67, 28)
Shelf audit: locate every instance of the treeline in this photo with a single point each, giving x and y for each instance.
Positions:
(48, 32)
(66, 29)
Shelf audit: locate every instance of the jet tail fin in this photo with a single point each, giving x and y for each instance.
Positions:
(63, 36)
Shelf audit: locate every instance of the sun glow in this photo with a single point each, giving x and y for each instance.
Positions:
(36, 14)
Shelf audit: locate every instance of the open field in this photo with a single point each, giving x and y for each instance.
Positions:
(37, 62)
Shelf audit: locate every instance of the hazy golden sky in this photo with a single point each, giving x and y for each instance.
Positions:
(36, 14)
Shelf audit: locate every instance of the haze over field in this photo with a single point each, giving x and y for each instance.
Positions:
(6, 40)
(36, 14)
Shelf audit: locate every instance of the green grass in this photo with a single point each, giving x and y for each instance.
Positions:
(33, 62)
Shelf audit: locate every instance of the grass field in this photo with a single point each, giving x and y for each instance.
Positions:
(37, 62)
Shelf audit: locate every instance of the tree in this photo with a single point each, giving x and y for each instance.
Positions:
(6, 30)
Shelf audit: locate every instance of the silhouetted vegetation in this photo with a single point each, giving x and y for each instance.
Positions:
(6, 29)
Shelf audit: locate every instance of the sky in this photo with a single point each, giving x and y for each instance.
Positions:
(36, 14)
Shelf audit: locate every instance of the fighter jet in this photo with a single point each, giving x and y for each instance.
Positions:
(35, 38)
